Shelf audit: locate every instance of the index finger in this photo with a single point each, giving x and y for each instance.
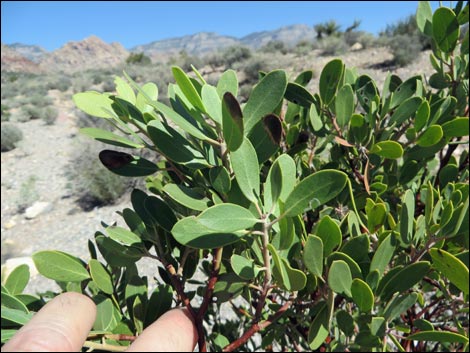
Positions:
(62, 325)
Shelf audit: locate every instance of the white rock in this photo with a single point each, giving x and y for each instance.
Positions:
(357, 46)
(14, 262)
(37, 208)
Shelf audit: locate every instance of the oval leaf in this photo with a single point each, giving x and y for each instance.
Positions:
(387, 149)
(362, 295)
(187, 197)
(438, 336)
(60, 266)
(232, 122)
(243, 267)
(330, 234)
(124, 164)
(264, 98)
(246, 169)
(109, 138)
(315, 190)
(431, 136)
(445, 29)
(344, 105)
(451, 267)
(187, 88)
(313, 255)
(339, 278)
(17, 280)
(329, 80)
(94, 104)
(101, 277)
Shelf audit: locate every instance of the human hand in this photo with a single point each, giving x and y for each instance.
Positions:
(62, 325)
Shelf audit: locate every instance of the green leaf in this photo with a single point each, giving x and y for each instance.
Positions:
(315, 190)
(313, 255)
(297, 94)
(232, 122)
(246, 169)
(330, 234)
(353, 266)
(243, 267)
(17, 280)
(344, 105)
(438, 336)
(345, 322)
(220, 179)
(406, 110)
(329, 80)
(187, 197)
(289, 278)
(339, 278)
(159, 212)
(383, 254)
(362, 295)
(123, 236)
(7, 334)
(94, 104)
(228, 286)
(109, 138)
(280, 181)
(60, 266)
(159, 303)
(107, 315)
(264, 98)
(304, 77)
(445, 29)
(451, 268)
(124, 91)
(174, 145)
(424, 17)
(387, 149)
(187, 88)
(406, 90)
(407, 217)
(101, 277)
(431, 136)
(399, 305)
(227, 218)
(180, 121)
(318, 331)
(12, 302)
(124, 164)
(148, 92)
(376, 214)
(228, 82)
(217, 226)
(422, 115)
(405, 278)
(457, 127)
(212, 103)
(16, 316)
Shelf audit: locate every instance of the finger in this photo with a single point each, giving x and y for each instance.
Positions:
(62, 325)
(174, 331)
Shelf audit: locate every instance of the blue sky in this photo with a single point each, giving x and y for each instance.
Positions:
(51, 24)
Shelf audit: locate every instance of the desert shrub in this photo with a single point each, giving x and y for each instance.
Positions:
(334, 220)
(138, 58)
(185, 60)
(367, 40)
(331, 46)
(274, 46)
(303, 48)
(27, 194)
(89, 181)
(5, 111)
(235, 54)
(405, 49)
(59, 82)
(49, 115)
(11, 135)
(39, 101)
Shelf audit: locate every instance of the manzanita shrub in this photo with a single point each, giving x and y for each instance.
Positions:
(335, 220)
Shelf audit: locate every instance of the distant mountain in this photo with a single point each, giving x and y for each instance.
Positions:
(289, 35)
(207, 42)
(196, 44)
(15, 62)
(89, 53)
(30, 52)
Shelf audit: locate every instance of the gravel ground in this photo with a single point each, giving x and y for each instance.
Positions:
(47, 149)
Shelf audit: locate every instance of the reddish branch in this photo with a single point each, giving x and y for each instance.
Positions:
(256, 327)
(208, 298)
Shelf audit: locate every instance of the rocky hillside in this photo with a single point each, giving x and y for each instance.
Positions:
(31, 52)
(15, 62)
(89, 53)
(290, 35)
(196, 44)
